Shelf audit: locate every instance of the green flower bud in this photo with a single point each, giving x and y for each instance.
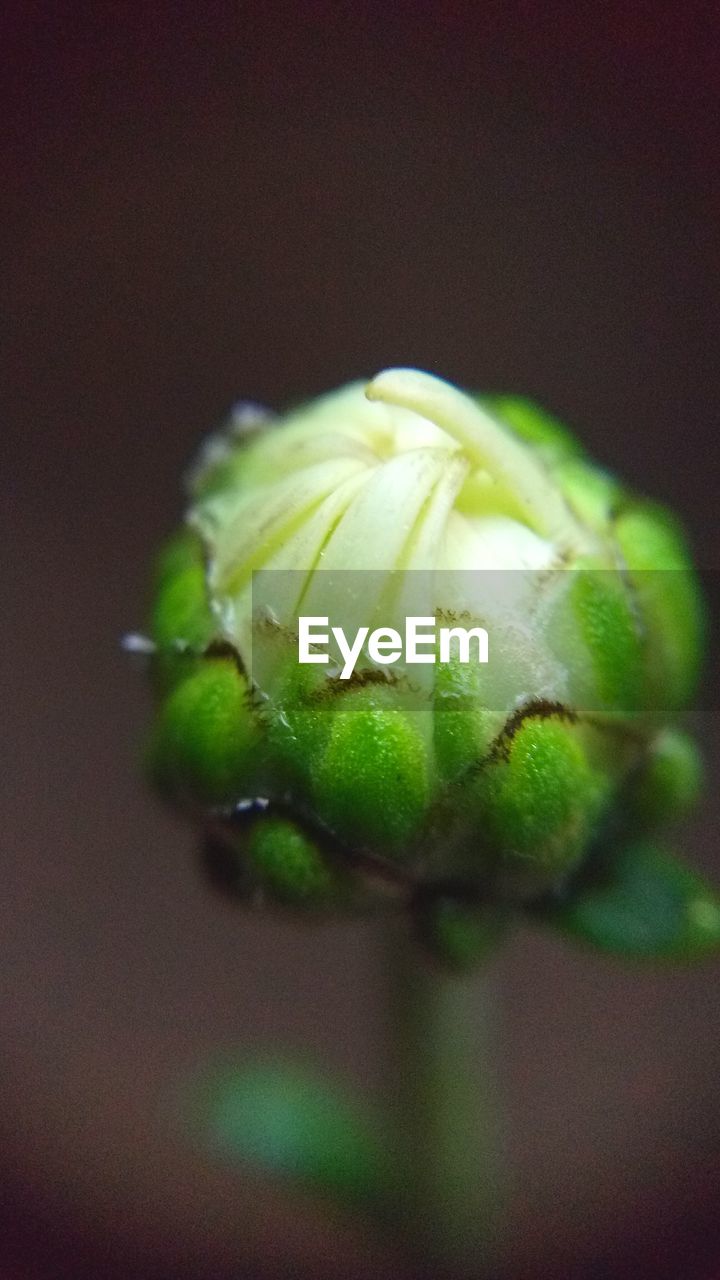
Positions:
(456, 789)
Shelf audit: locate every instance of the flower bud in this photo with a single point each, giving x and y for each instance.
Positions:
(378, 782)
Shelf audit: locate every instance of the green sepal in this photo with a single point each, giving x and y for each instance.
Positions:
(539, 803)
(372, 785)
(463, 726)
(643, 903)
(181, 621)
(602, 608)
(205, 748)
(667, 592)
(591, 491)
(299, 724)
(182, 549)
(289, 1123)
(292, 869)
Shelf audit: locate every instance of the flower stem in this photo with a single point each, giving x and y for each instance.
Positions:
(443, 1108)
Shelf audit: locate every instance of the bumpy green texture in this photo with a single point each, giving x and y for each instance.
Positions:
(206, 740)
(464, 793)
(540, 803)
(371, 785)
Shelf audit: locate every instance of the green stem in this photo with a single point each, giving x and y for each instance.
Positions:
(443, 1107)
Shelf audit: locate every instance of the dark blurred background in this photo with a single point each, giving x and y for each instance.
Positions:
(211, 202)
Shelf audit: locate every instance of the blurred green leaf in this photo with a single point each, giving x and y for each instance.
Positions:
(643, 903)
(287, 1122)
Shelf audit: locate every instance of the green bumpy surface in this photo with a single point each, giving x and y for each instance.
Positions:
(472, 810)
